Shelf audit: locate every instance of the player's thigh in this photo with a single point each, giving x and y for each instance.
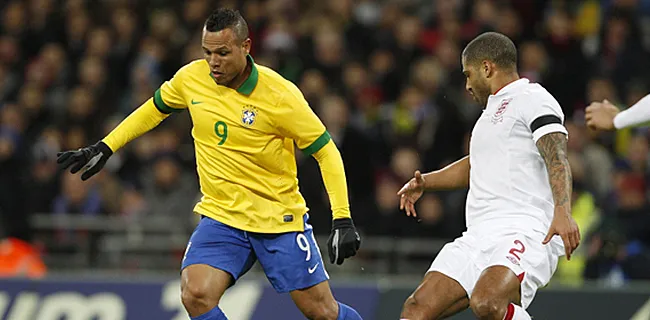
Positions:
(518, 265)
(437, 297)
(497, 286)
(216, 256)
(449, 282)
(291, 261)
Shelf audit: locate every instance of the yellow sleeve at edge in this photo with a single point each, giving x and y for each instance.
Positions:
(143, 119)
(333, 173)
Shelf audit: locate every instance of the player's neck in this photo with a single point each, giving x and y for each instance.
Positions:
(502, 80)
(241, 77)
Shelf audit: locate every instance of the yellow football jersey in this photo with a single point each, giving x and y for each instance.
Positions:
(244, 142)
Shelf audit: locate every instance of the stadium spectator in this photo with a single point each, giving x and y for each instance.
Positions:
(381, 74)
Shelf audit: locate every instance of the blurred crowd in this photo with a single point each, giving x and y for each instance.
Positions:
(383, 75)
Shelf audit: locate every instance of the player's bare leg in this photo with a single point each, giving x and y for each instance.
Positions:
(437, 297)
(316, 302)
(495, 290)
(202, 287)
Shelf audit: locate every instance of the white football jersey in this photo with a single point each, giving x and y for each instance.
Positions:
(509, 183)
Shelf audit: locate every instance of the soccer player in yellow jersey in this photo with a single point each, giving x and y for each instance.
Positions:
(246, 120)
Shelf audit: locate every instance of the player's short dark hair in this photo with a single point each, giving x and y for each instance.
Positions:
(494, 47)
(224, 18)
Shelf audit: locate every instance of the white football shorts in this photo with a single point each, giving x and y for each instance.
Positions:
(466, 257)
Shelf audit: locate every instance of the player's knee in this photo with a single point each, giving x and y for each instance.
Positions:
(412, 307)
(487, 308)
(410, 303)
(195, 296)
(322, 310)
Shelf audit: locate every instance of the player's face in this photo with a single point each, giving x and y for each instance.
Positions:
(225, 54)
(476, 83)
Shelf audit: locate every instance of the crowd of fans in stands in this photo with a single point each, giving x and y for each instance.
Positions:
(383, 75)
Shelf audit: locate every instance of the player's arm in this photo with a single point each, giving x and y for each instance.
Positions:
(299, 123)
(333, 173)
(545, 120)
(605, 116)
(453, 176)
(166, 100)
(142, 120)
(553, 149)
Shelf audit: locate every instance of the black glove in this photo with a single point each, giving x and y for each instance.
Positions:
(91, 158)
(344, 240)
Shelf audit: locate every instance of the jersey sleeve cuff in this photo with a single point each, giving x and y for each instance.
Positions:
(160, 104)
(341, 213)
(549, 128)
(318, 144)
(625, 119)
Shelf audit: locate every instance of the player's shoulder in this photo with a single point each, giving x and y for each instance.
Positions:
(523, 88)
(535, 94)
(538, 90)
(194, 67)
(275, 84)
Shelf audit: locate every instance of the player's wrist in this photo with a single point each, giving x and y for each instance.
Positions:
(339, 223)
(104, 148)
(428, 180)
(562, 210)
(341, 212)
(616, 122)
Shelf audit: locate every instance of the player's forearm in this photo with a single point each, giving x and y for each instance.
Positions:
(635, 115)
(333, 173)
(553, 148)
(143, 119)
(453, 176)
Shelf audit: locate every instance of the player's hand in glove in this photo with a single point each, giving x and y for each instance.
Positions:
(91, 159)
(344, 240)
(410, 193)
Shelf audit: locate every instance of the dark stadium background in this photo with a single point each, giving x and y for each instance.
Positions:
(383, 75)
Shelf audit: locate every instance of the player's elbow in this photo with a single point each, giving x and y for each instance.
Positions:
(410, 307)
(328, 151)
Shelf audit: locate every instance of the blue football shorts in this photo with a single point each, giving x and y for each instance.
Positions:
(290, 260)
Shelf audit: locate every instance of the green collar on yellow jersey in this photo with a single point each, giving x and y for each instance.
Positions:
(250, 82)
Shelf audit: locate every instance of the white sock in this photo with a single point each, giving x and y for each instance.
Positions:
(515, 312)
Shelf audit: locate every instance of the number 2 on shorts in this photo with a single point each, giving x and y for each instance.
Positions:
(516, 250)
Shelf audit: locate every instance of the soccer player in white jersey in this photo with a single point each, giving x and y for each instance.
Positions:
(606, 116)
(519, 196)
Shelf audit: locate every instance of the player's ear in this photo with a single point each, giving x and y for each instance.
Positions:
(246, 45)
(487, 68)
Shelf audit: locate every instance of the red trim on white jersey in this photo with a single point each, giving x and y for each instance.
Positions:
(510, 313)
(521, 277)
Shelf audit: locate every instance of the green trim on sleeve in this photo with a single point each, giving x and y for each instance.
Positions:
(161, 106)
(318, 144)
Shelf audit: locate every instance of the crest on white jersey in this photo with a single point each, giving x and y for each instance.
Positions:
(498, 115)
